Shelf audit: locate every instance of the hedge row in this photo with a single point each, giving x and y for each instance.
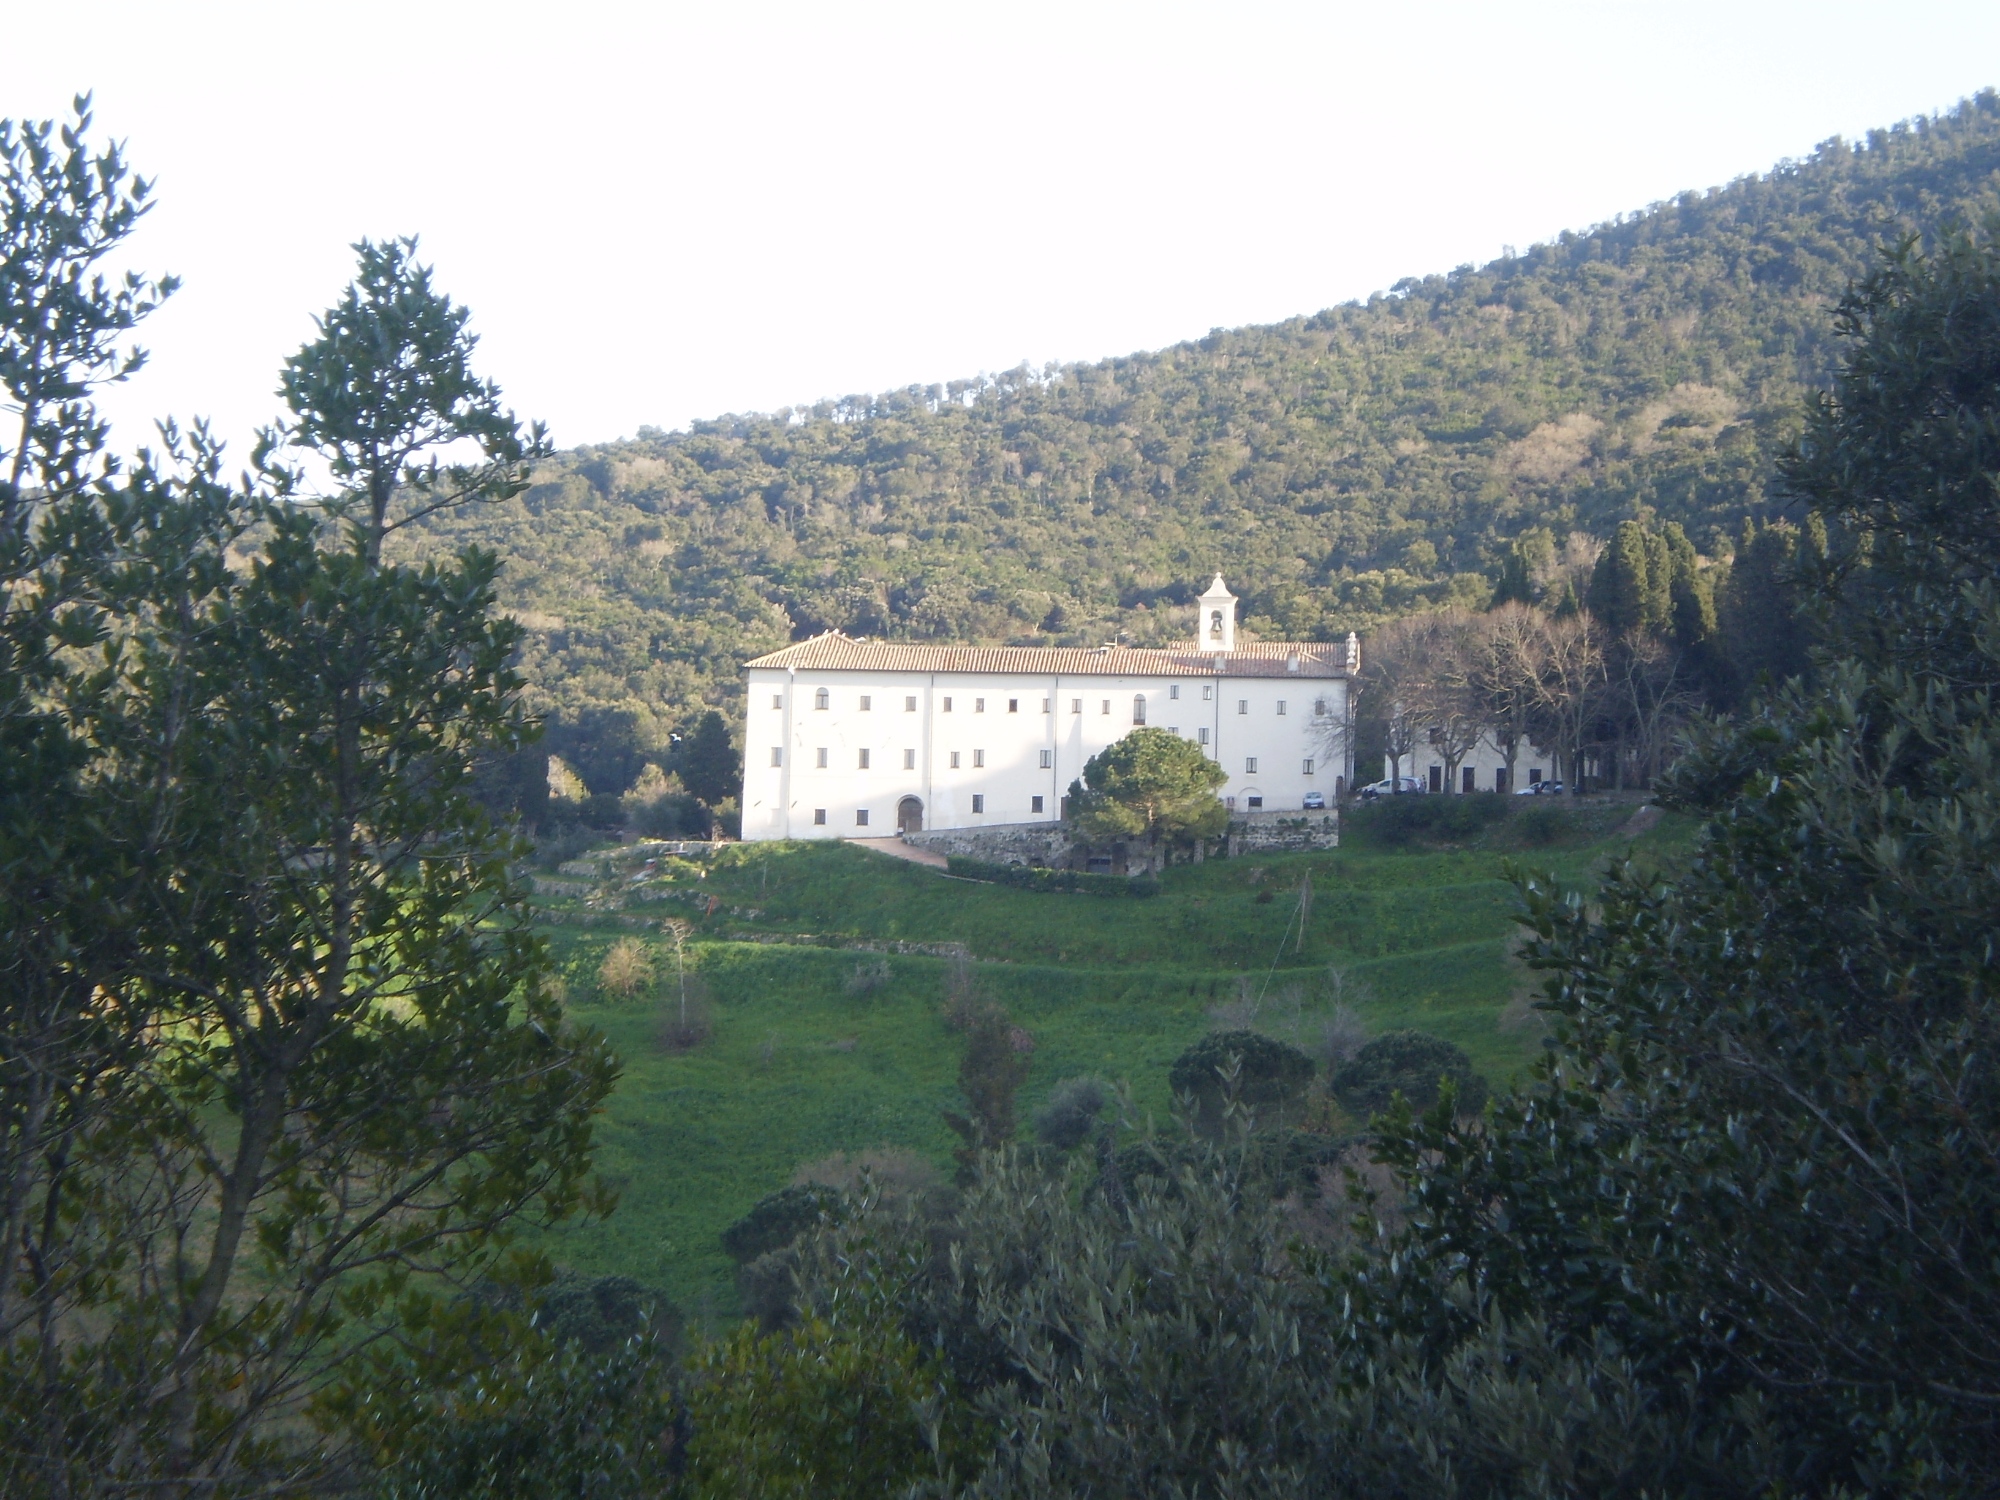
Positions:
(1033, 878)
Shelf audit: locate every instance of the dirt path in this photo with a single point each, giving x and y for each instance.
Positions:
(897, 849)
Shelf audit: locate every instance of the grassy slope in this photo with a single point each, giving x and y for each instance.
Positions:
(797, 1068)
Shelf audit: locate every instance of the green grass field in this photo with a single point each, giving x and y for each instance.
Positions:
(798, 1066)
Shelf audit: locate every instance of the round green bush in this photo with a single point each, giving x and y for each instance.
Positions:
(1409, 1063)
(775, 1220)
(1271, 1081)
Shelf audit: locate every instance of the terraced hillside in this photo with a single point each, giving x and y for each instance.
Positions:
(823, 969)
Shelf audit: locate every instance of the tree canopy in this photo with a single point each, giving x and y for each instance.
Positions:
(1152, 787)
(1348, 467)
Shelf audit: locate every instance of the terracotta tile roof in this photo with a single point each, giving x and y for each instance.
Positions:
(834, 651)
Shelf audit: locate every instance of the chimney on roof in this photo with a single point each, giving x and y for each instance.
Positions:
(1353, 652)
(1215, 621)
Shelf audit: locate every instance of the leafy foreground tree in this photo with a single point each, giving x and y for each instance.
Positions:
(275, 1043)
(1151, 787)
(1764, 1157)
(1150, 1325)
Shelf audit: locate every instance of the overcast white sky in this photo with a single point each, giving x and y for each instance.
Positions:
(668, 211)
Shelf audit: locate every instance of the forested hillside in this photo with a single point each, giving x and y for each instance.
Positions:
(1370, 460)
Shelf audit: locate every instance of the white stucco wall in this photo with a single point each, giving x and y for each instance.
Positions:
(1016, 738)
(1486, 762)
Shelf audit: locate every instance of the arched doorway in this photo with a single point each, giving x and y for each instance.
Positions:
(910, 816)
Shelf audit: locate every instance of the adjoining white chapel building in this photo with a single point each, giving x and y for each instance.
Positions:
(848, 738)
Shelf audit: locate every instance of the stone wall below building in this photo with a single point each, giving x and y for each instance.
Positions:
(1270, 832)
(1045, 845)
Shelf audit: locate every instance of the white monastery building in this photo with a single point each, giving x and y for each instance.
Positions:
(848, 738)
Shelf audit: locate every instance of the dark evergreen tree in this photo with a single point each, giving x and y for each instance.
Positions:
(708, 764)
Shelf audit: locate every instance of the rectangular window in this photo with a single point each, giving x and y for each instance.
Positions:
(979, 705)
(1243, 705)
(1255, 801)
(954, 760)
(1309, 768)
(777, 700)
(1281, 708)
(1250, 765)
(979, 759)
(909, 760)
(1048, 759)
(1173, 690)
(1467, 780)
(1173, 729)
(1534, 776)
(1201, 735)
(1013, 705)
(947, 705)
(1208, 692)
(1047, 704)
(909, 705)
(819, 817)
(1319, 707)
(868, 703)
(861, 817)
(979, 802)
(1076, 705)
(777, 755)
(822, 760)
(820, 699)
(1034, 804)
(1107, 705)
(862, 764)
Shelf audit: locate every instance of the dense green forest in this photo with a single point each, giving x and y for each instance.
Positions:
(1344, 468)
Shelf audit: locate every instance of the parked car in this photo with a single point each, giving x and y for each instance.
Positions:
(1387, 787)
(1315, 802)
(1541, 789)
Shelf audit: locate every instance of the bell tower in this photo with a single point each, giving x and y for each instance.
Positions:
(1215, 622)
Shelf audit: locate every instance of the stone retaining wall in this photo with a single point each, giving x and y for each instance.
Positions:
(1045, 845)
(1265, 832)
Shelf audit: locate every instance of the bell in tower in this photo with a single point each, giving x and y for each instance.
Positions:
(1216, 621)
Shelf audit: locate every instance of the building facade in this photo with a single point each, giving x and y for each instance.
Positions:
(848, 738)
(1483, 769)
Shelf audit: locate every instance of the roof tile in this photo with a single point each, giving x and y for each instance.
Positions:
(835, 651)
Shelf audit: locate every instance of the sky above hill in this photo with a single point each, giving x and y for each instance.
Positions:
(662, 212)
